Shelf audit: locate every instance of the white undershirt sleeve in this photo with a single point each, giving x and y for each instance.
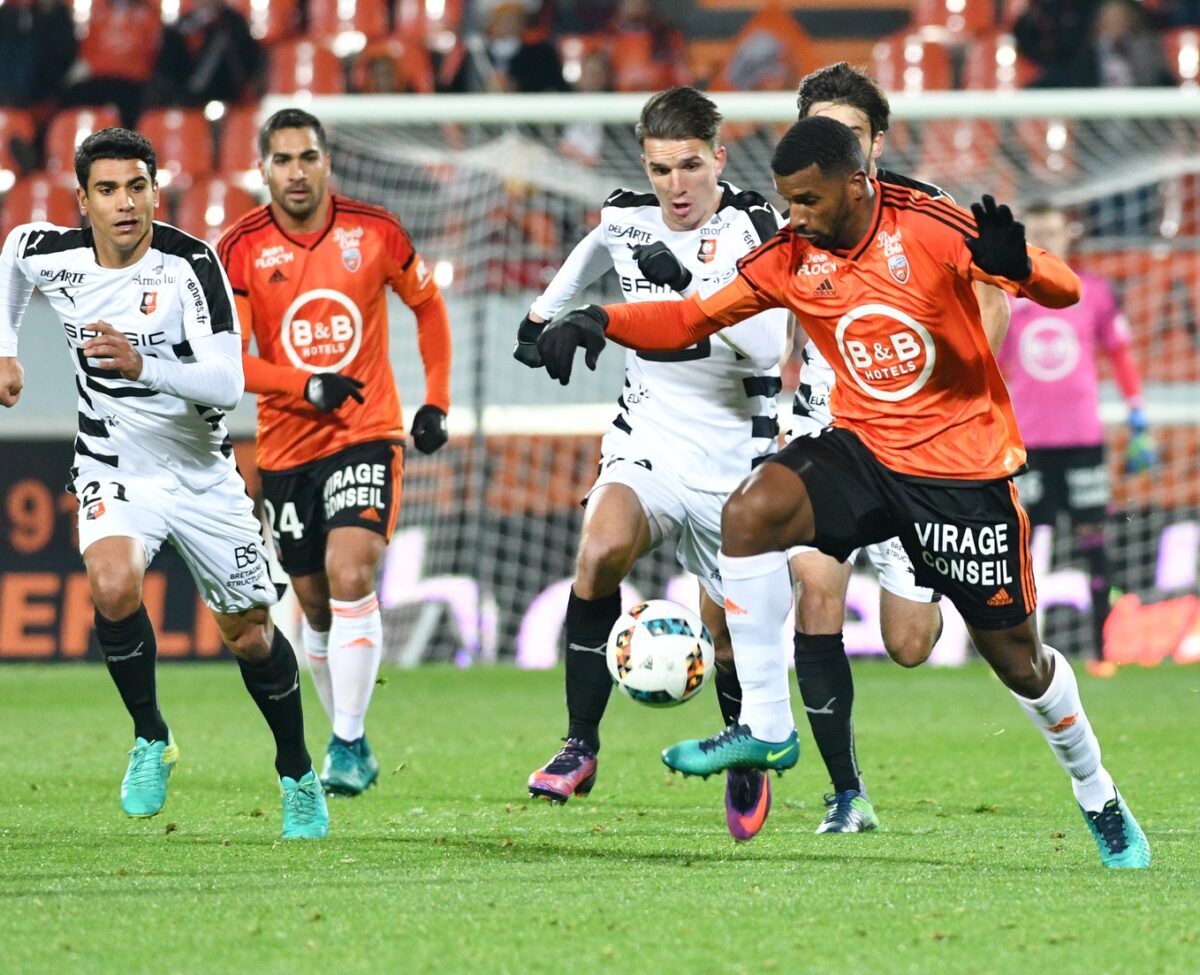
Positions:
(15, 291)
(213, 378)
(589, 259)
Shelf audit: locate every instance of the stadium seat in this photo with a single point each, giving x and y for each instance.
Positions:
(410, 69)
(210, 205)
(955, 17)
(40, 197)
(270, 20)
(183, 141)
(1182, 47)
(912, 64)
(305, 66)
(17, 141)
(237, 146)
(68, 128)
(991, 62)
(332, 20)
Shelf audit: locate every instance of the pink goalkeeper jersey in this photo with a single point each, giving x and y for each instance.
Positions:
(1049, 362)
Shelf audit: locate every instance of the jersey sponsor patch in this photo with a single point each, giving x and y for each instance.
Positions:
(321, 330)
(889, 353)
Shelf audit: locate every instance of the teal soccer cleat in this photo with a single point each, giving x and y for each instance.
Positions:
(848, 812)
(734, 747)
(350, 768)
(144, 788)
(1119, 838)
(305, 815)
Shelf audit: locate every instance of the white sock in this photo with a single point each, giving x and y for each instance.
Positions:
(316, 649)
(1060, 717)
(758, 596)
(355, 647)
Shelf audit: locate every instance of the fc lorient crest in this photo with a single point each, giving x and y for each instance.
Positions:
(898, 266)
(893, 250)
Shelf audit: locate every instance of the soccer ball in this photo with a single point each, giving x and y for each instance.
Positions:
(659, 653)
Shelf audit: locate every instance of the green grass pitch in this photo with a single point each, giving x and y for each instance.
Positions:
(983, 864)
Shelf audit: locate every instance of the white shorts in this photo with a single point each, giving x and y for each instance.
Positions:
(214, 530)
(690, 518)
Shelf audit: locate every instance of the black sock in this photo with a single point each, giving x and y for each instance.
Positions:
(275, 686)
(589, 683)
(130, 651)
(729, 694)
(1092, 550)
(827, 689)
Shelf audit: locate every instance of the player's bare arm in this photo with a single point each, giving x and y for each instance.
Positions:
(110, 349)
(995, 312)
(12, 380)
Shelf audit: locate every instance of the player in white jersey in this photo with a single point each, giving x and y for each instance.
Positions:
(910, 619)
(149, 319)
(690, 425)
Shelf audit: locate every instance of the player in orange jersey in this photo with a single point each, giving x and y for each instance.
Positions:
(924, 443)
(310, 273)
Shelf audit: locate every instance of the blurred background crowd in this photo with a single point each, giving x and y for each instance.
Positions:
(189, 73)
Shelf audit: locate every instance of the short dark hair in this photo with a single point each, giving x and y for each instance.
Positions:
(1039, 208)
(680, 113)
(289, 118)
(820, 141)
(113, 144)
(844, 85)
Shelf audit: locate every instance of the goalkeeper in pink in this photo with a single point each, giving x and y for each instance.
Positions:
(1050, 362)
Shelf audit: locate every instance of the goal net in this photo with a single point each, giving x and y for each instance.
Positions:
(495, 191)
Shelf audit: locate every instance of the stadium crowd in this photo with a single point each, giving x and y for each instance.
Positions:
(184, 70)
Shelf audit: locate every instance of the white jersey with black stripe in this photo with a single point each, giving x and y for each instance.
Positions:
(708, 413)
(173, 296)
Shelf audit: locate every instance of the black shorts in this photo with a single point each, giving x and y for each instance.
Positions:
(1074, 480)
(359, 486)
(969, 539)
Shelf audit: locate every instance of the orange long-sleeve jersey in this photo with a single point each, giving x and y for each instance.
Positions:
(897, 319)
(318, 303)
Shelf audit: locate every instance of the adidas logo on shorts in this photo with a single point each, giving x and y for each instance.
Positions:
(1001, 598)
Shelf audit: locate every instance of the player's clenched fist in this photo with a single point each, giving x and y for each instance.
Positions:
(429, 428)
(111, 349)
(329, 390)
(526, 351)
(660, 266)
(12, 380)
(583, 327)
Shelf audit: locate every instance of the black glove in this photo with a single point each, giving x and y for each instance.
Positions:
(429, 429)
(557, 344)
(659, 266)
(1000, 247)
(329, 390)
(526, 351)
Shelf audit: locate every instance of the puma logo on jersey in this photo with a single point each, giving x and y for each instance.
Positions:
(825, 289)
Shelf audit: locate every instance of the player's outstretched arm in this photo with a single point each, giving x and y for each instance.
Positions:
(1000, 251)
(12, 380)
